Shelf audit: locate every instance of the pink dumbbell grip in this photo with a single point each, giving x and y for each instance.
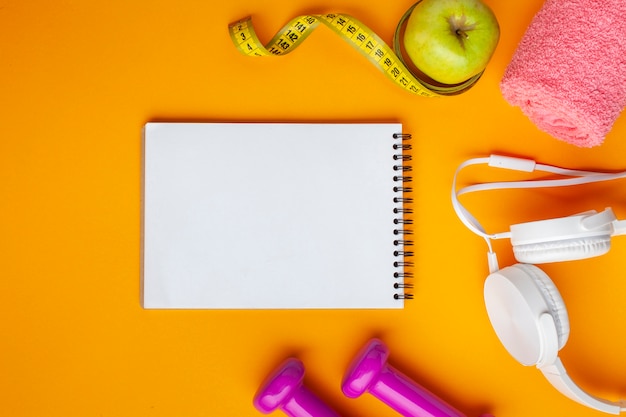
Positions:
(369, 372)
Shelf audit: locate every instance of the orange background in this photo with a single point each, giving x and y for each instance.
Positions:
(77, 82)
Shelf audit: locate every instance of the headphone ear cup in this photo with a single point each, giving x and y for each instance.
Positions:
(562, 250)
(553, 299)
(568, 238)
(516, 298)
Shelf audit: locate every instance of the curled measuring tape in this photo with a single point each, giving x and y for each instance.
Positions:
(389, 61)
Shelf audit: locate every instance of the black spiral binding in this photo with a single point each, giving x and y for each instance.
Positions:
(403, 230)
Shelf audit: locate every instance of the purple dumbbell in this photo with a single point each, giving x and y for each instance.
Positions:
(369, 372)
(284, 390)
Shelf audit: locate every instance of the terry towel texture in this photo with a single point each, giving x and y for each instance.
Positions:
(568, 74)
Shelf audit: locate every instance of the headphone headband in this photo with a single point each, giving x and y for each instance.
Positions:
(559, 378)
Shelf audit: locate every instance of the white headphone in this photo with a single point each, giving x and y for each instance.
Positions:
(524, 306)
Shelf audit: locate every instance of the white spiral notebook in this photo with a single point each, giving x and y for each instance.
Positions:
(275, 216)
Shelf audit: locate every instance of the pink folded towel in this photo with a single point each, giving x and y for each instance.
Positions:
(568, 74)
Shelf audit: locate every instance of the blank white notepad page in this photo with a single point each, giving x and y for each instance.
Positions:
(249, 216)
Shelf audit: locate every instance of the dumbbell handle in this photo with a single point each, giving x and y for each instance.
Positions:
(409, 398)
(304, 404)
(369, 372)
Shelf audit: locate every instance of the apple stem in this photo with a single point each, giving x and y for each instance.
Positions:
(462, 33)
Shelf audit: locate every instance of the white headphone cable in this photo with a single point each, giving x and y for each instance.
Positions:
(578, 177)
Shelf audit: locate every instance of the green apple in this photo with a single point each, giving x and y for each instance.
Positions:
(451, 40)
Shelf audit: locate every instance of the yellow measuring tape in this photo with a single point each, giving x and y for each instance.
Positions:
(356, 34)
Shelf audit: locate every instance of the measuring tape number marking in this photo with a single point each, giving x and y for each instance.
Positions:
(347, 27)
